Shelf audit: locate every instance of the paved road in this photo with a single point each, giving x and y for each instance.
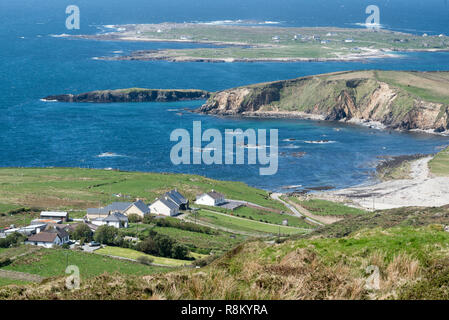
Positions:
(277, 196)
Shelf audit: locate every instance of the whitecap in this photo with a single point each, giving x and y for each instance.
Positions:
(319, 141)
(109, 155)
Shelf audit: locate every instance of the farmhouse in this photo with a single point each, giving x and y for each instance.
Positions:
(49, 238)
(55, 215)
(178, 199)
(164, 207)
(115, 219)
(126, 208)
(212, 198)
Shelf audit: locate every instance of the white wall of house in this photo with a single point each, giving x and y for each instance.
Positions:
(57, 241)
(207, 200)
(158, 207)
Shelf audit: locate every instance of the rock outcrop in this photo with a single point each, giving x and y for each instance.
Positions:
(131, 95)
(336, 96)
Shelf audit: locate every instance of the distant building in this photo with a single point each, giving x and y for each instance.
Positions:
(349, 40)
(164, 207)
(127, 208)
(55, 215)
(49, 238)
(116, 220)
(212, 198)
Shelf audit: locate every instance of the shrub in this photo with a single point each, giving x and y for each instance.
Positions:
(12, 240)
(145, 260)
(180, 251)
(134, 218)
(106, 234)
(65, 246)
(82, 231)
(4, 262)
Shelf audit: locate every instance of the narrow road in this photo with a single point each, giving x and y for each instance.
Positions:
(277, 196)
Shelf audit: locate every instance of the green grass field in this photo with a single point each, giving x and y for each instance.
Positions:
(74, 188)
(134, 254)
(244, 225)
(200, 241)
(439, 165)
(53, 262)
(327, 208)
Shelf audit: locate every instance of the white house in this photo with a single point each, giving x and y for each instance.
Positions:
(116, 220)
(212, 198)
(164, 207)
(49, 238)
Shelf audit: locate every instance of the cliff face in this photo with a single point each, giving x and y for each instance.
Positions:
(131, 95)
(335, 97)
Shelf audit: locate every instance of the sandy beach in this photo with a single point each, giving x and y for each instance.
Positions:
(422, 190)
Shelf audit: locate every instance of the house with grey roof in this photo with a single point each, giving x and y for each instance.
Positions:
(127, 208)
(165, 207)
(211, 198)
(116, 219)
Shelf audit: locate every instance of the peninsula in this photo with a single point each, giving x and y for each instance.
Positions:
(385, 99)
(251, 43)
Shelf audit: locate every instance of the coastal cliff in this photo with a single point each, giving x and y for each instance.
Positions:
(131, 95)
(396, 100)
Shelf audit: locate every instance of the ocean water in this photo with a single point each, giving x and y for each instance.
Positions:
(135, 136)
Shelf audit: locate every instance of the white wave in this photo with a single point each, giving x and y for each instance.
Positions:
(237, 22)
(295, 186)
(289, 139)
(109, 155)
(369, 25)
(117, 51)
(319, 141)
(45, 100)
(62, 35)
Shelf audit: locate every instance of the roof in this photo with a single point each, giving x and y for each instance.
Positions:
(62, 233)
(43, 236)
(171, 205)
(116, 217)
(118, 206)
(98, 211)
(142, 206)
(215, 195)
(176, 197)
(53, 214)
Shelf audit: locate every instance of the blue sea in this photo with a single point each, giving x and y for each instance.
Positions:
(136, 136)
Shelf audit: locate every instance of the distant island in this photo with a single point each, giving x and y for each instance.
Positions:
(131, 95)
(237, 43)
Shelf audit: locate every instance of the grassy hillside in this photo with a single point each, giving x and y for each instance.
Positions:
(411, 261)
(397, 99)
(53, 262)
(73, 188)
(439, 165)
